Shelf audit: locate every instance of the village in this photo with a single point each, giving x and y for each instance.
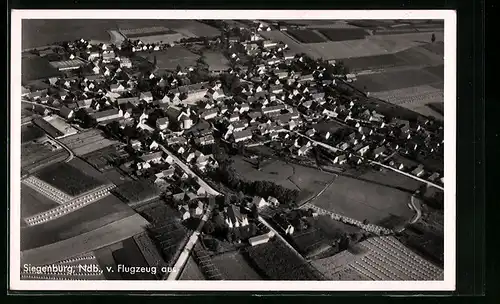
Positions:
(176, 134)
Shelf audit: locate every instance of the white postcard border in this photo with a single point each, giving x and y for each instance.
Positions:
(450, 35)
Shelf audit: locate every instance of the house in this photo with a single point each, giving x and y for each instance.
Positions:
(362, 151)
(237, 126)
(273, 201)
(419, 171)
(267, 44)
(185, 214)
(276, 88)
(198, 211)
(209, 114)
(84, 103)
(434, 176)
(303, 150)
(162, 123)
(125, 62)
(273, 109)
(117, 87)
(234, 117)
(66, 112)
(106, 115)
(310, 132)
(244, 135)
(146, 96)
(135, 144)
(254, 115)
(205, 140)
(41, 110)
(125, 100)
(108, 56)
(340, 159)
(379, 151)
(154, 157)
(283, 224)
(234, 218)
(260, 239)
(259, 202)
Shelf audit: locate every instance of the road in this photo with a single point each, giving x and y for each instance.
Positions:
(415, 206)
(186, 251)
(190, 172)
(263, 221)
(326, 146)
(38, 104)
(71, 154)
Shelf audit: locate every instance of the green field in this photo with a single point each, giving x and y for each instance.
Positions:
(234, 266)
(88, 218)
(33, 202)
(291, 176)
(365, 200)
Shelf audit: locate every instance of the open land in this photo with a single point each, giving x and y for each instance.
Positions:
(370, 46)
(87, 142)
(36, 155)
(33, 202)
(216, 61)
(86, 219)
(37, 33)
(374, 203)
(285, 174)
(234, 266)
(30, 132)
(100, 237)
(191, 271)
(170, 58)
(67, 179)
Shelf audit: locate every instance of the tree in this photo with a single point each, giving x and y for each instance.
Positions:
(209, 227)
(433, 38)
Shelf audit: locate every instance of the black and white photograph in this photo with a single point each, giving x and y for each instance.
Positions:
(233, 150)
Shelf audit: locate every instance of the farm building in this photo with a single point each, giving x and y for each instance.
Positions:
(106, 115)
(234, 218)
(260, 239)
(68, 64)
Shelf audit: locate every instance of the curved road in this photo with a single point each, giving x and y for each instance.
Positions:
(315, 142)
(71, 154)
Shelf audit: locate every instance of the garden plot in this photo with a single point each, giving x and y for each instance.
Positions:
(234, 266)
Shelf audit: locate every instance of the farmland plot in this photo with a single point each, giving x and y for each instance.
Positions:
(68, 179)
(30, 132)
(343, 34)
(32, 202)
(306, 36)
(34, 155)
(234, 266)
(191, 271)
(364, 200)
(87, 142)
(86, 219)
(395, 80)
(111, 233)
(278, 262)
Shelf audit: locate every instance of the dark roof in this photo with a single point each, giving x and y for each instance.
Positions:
(47, 127)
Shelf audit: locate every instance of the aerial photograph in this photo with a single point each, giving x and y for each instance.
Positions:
(232, 150)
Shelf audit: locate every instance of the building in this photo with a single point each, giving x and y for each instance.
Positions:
(146, 96)
(66, 112)
(154, 157)
(205, 140)
(267, 44)
(273, 109)
(162, 123)
(125, 62)
(234, 218)
(125, 100)
(106, 115)
(259, 202)
(283, 224)
(240, 136)
(117, 87)
(108, 56)
(260, 239)
(209, 114)
(67, 65)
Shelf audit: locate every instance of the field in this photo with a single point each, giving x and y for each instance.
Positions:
(100, 237)
(310, 242)
(37, 33)
(378, 258)
(86, 219)
(364, 200)
(170, 58)
(87, 142)
(30, 132)
(116, 177)
(166, 38)
(33, 202)
(35, 68)
(216, 61)
(277, 262)
(395, 80)
(130, 255)
(136, 192)
(412, 57)
(234, 266)
(370, 46)
(336, 34)
(391, 179)
(306, 36)
(287, 175)
(34, 155)
(67, 179)
(330, 227)
(191, 271)
(149, 250)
